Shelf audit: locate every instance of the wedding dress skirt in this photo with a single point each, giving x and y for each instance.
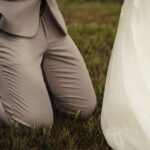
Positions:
(125, 117)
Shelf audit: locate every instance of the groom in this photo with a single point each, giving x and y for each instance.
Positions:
(34, 38)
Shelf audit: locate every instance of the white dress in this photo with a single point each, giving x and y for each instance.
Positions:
(125, 117)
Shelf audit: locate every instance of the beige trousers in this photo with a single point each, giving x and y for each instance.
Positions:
(31, 68)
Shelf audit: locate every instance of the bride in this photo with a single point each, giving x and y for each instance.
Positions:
(125, 117)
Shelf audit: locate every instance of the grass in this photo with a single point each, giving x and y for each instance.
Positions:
(92, 26)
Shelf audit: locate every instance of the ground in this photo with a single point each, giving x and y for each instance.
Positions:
(92, 26)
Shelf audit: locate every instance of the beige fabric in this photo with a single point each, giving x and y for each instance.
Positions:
(37, 72)
(21, 17)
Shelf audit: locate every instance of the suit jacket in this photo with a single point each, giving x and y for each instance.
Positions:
(21, 17)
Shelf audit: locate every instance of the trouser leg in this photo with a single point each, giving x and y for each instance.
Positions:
(25, 97)
(66, 73)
